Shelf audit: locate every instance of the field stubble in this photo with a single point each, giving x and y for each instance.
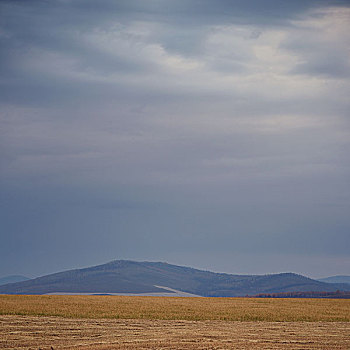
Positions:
(106, 323)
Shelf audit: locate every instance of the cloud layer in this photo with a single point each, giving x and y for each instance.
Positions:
(210, 134)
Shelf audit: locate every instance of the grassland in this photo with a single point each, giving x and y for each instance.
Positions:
(122, 322)
(169, 308)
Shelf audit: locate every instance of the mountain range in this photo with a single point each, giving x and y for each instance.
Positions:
(123, 276)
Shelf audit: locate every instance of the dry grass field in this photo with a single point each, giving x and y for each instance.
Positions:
(119, 322)
(174, 308)
(33, 332)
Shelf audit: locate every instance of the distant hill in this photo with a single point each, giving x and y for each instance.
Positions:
(336, 279)
(122, 276)
(12, 279)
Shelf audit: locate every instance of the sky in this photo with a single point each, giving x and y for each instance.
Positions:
(211, 134)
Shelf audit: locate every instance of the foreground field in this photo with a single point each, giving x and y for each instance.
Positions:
(33, 332)
(165, 308)
(120, 322)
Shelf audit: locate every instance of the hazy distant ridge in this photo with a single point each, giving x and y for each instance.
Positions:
(12, 279)
(123, 276)
(336, 279)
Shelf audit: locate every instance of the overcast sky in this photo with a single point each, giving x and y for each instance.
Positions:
(213, 134)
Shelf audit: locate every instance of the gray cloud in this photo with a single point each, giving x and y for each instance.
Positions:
(175, 131)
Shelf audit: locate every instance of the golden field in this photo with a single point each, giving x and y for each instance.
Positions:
(33, 332)
(176, 308)
(128, 322)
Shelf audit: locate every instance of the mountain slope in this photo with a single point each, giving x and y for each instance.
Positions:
(123, 276)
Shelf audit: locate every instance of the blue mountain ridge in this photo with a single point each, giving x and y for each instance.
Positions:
(124, 276)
